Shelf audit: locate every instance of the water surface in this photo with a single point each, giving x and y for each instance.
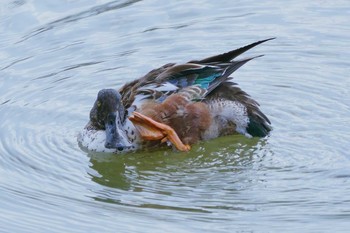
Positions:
(56, 55)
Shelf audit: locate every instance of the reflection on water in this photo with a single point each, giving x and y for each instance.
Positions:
(208, 155)
(100, 9)
(56, 55)
(158, 175)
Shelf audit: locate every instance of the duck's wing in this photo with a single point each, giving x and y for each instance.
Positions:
(207, 74)
(205, 79)
(181, 77)
(131, 89)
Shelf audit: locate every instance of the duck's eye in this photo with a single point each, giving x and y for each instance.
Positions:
(99, 104)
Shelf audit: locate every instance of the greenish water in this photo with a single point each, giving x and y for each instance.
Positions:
(56, 55)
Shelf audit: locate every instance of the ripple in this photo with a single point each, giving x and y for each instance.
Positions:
(79, 16)
(56, 56)
(165, 181)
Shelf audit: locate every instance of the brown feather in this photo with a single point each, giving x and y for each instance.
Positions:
(188, 119)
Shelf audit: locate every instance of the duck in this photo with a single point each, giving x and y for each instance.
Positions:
(176, 105)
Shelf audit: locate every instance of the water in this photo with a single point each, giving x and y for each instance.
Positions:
(56, 55)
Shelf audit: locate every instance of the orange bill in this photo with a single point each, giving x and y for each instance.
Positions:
(150, 129)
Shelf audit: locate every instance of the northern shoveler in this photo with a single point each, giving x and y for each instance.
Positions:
(177, 103)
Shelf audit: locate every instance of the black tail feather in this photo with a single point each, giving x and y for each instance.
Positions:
(227, 57)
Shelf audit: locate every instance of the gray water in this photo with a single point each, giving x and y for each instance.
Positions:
(56, 55)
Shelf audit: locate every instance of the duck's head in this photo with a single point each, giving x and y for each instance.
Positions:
(108, 114)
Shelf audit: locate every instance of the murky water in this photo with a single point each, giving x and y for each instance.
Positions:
(56, 55)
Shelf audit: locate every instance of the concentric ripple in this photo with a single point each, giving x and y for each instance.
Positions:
(56, 55)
